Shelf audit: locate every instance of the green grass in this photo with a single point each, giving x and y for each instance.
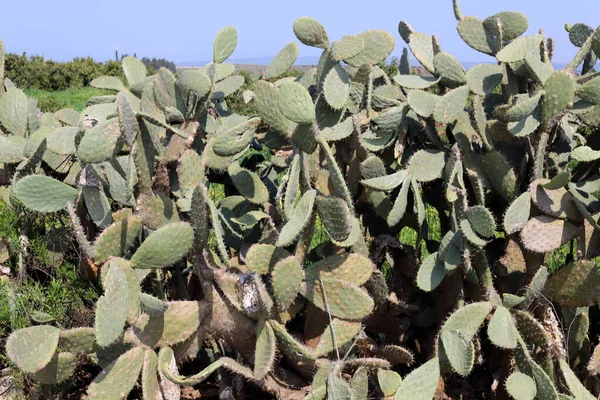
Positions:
(75, 98)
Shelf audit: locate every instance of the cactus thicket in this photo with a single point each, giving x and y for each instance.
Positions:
(493, 169)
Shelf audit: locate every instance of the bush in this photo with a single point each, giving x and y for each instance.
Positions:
(359, 235)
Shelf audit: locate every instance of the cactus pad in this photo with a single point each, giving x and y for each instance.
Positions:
(336, 87)
(574, 284)
(164, 247)
(449, 68)
(119, 377)
(13, 111)
(451, 105)
(300, 218)
(481, 220)
(560, 93)
(264, 355)
(345, 300)
(78, 340)
(502, 330)
(286, 279)
(482, 79)
(31, 349)
(310, 32)
(354, 268)
(426, 165)
(521, 386)
(225, 44)
(377, 46)
(58, 370)
(421, 102)
(44, 194)
(282, 61)
(421, 383)
(296, 104)
(543, 234)
(347, 47)
(248, 184)
(344, 331)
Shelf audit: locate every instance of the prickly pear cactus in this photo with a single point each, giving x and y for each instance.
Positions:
(358, 225)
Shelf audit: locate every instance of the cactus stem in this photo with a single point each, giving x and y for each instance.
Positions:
(538, 164)
(84, 244)
(333, 336)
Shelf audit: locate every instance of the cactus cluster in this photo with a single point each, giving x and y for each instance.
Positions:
(504, 156)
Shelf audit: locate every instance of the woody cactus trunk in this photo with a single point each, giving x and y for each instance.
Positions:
(493, 169)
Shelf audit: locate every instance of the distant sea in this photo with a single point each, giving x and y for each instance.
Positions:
(311, 61)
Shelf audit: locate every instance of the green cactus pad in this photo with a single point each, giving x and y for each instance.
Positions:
(579, 34)
(573, 285)
(399, 208)
(189, 171)
(590, 91)
(337, 388)
(514, 24)
(421, 45)
(556, 203)
(449, 68)
(296, 104)
(482, 79)
(339, 131)
(157, 210)
(521, 386)
(176, 324)
(389, 381)
(458, 331)
(134, 70)
(347, 47)
(501, 174)
(282, 61)
(482, 221)
(12, 149)
(236, 139)
(354, 268)
(248, 184)
(470, 234)
(377, 46)
(119, 377)
(544, 234)
(310, 32)
(97, 205)
(517, 214)
(431, 273)
(152, 306)
(225, 44)
(346, 300)
(300, 218)
(519, 49)
(264, 355)
(473, 32)
(560, 93)
(502, 330)
(290, 346)
(67, 116)
(585, 154)
(31, 349)
(415, 81)
(344, 331)
(426, 165)
(150, 385)
(78, 340)
(421, 102)
(101, 143)
(575, 386)
(58, 370)
(372, 167)
(421, 383)
(44, 194)
(336, 87)
(195, 81)
(261, 258)
(228, 86)
(286, 279)
(108, 82)
(164, 247)
(112, 308)
(524, 108)
(62, 140)
(360, 383)
(449, 107)
(335, 216)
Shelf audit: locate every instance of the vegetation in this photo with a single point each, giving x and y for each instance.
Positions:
(363, 232)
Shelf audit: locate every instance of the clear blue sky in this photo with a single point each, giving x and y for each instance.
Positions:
(184, 30)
